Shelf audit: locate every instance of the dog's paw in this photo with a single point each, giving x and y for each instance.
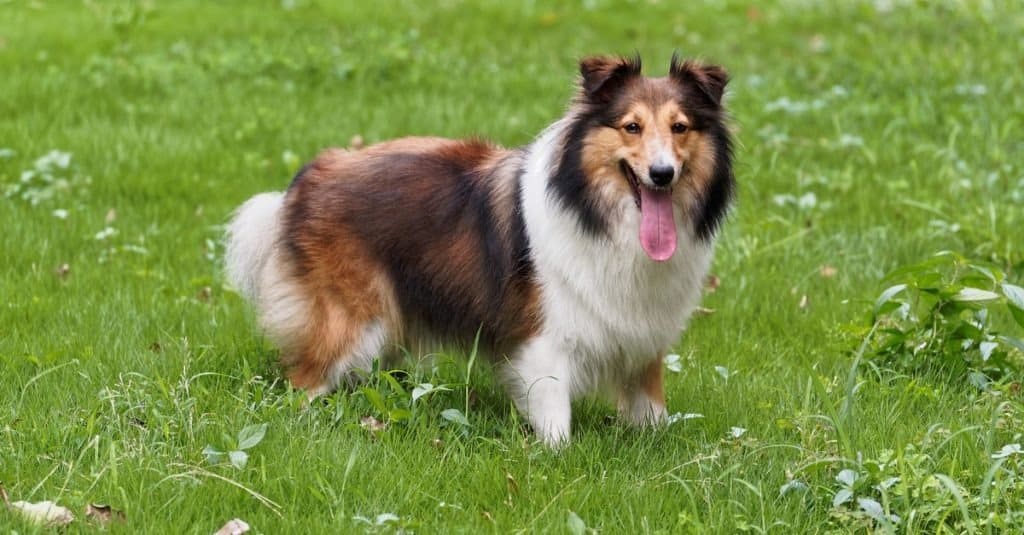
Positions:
(641, 411)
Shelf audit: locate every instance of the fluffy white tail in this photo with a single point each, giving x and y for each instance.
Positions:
(252, 238)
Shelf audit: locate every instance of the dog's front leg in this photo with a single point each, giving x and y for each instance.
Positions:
(538, 380)
(642, 396)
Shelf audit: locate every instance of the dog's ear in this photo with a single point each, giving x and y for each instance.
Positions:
(603, 76)
(710, 79)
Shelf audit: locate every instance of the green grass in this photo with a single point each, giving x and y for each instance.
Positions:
(904, 124)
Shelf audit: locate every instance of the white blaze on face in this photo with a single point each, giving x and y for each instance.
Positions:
(657, 218)
(659, 154)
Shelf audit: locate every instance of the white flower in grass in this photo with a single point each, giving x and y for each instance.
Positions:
(105, 233)
(54, 158)
(850, 140)
(976, 90)
(785, 104)
(807, 201)
(883, 7)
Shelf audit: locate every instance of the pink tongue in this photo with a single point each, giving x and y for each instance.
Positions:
(657, 226)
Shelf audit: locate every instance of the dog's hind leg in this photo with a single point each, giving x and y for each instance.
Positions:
(327, 333)
(642, 396)
(335, 352)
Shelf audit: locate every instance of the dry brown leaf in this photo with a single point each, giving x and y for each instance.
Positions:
(63, 270)
(356, 142)
(372, 424)
(513, 485)
(828, 271)
(712, 283)
(817, 43)
(549, 18)
(235, 526)
(3, 495)
(45, 513)
(103, 513)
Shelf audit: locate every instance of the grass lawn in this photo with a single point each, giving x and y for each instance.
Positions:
(871, 136)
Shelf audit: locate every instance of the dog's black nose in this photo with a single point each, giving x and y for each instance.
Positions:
(662, 175)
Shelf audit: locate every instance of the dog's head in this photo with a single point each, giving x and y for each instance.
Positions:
(660, 141)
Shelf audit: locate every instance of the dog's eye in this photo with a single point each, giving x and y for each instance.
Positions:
(632, 128)
(679, 128)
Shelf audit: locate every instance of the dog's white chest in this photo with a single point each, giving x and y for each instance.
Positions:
(606, 300)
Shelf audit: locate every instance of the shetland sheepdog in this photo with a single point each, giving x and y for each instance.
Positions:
(575, 262)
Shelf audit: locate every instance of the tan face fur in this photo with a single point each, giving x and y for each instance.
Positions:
(653, 132)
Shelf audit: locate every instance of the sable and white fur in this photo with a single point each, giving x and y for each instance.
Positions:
(578, 259)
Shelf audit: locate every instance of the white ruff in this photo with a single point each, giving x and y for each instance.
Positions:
(608, 309)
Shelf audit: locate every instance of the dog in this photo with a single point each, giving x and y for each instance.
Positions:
(575, 262)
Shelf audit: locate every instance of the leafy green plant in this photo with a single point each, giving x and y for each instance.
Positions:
(393, 395)
(396, 397)
(247, 438)
(389, 399)
(905, 490)
(948, 313)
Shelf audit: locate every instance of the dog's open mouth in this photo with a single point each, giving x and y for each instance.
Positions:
(635, 185)
(657, 218)
(634, 182)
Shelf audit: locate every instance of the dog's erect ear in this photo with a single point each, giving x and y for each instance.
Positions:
(710, 79)
(603, 75)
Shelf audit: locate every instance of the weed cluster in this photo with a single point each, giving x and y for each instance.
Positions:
(949, 314)
(52, 175)
(908, 490)
(946, 317)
